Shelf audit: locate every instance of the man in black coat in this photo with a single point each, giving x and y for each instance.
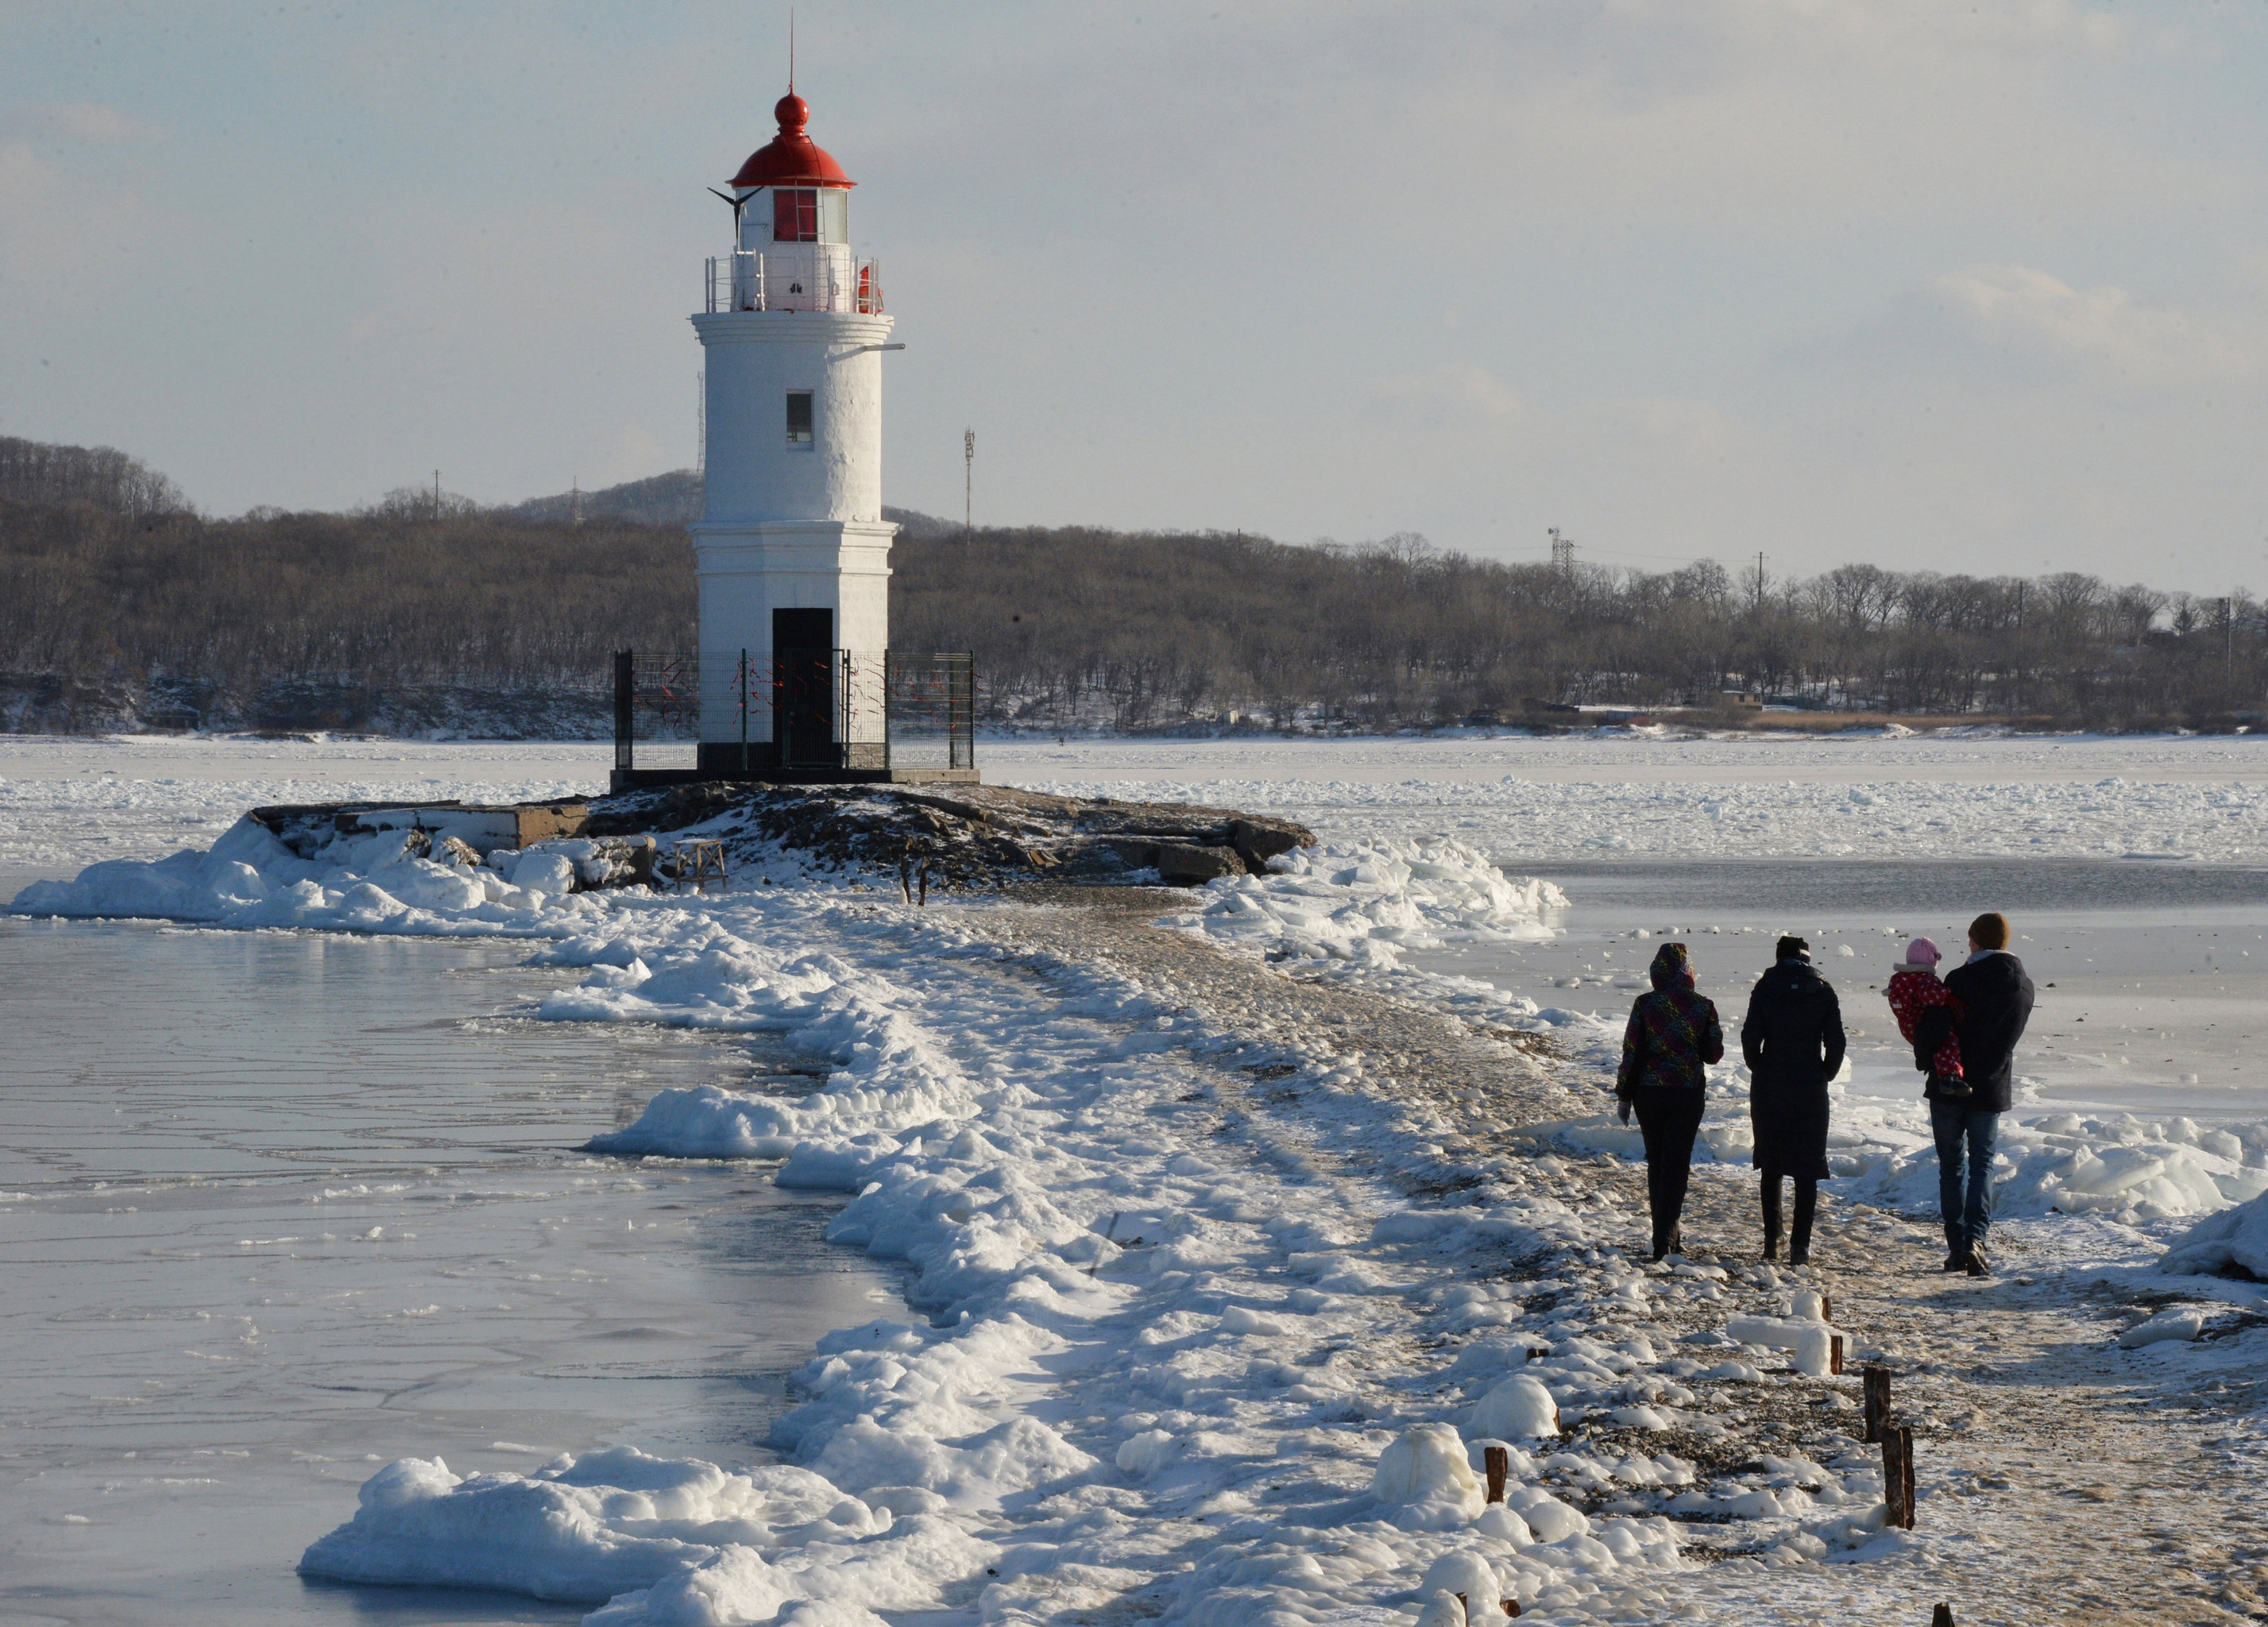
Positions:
(1792, 1043)
(1996, 1003)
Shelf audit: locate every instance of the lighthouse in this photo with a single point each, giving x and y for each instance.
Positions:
(794, 556)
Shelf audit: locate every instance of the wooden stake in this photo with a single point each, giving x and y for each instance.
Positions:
(1497, 1462)
(1510, 1607)
(1834, 1355)
(1942, 1616)
(1826, 1307)
(1898, 1474)
(1878, 1401)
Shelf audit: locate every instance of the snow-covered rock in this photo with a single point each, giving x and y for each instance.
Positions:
(1426, 1482)
(1519, 1408)
(1462, 1570)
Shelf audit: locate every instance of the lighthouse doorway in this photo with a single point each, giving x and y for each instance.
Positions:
(803, 688)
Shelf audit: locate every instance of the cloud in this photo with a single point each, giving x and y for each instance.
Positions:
(59, 232)
(77, 121)
(2020, 311)
(1455, 390)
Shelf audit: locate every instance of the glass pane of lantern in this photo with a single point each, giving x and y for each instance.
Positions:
(799, 417)
(795, 214)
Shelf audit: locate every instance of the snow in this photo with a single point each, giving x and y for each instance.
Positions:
(2235, 1238)
(2183, 1324)
(1366, 899)
(582, 1528)
(1809, 1341)
(1955, 795)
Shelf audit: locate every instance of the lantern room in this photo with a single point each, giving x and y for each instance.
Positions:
(791, 216)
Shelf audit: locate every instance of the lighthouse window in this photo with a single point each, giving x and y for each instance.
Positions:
(795, 214)
(799, 417)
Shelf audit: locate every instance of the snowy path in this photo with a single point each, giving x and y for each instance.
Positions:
(2045, 1454)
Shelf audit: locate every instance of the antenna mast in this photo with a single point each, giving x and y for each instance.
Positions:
(1562, 553)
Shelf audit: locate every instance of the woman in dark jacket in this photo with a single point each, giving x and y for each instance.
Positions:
(1673, 1034)
(1792, 1043)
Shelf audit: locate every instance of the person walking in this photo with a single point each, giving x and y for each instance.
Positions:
(1672, 1035)
(1792, 1043)
(1995, 1002)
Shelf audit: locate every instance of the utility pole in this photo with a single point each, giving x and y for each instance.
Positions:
(437, 493)
(2019, 704)
(1760, 581)
(967, 488)
(1562, 553)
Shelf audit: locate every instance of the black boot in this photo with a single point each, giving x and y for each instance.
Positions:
(1807, 1205)
(1770, 1189)
(1956, 1251)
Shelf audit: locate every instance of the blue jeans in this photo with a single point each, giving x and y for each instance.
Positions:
(1961, 1129)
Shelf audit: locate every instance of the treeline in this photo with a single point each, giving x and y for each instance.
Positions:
(119, 604)
(469, 623)
(1141, 631)
(101, 477)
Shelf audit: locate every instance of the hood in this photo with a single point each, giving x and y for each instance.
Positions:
(1672, 968)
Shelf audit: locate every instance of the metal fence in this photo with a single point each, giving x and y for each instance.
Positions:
(822, 710)
(932, 711)
(657, 701)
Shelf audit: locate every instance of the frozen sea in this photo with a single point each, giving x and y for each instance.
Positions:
(2135, 871)
(276, 1208)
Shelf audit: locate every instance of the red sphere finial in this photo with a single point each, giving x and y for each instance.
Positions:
(793, 113)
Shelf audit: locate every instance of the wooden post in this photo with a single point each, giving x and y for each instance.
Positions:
(1878, 1401)
(1826, 1307)
(1510, 1607)
(1835, 1354)
(1898, 1474)
(1498, 1461)
(1942, 1616)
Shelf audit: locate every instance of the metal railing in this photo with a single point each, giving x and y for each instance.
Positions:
(822, 276)
(817, 709)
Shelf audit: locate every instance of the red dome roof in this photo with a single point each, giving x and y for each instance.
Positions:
(792, 158)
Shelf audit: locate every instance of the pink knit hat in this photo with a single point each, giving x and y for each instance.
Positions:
(1921, 952)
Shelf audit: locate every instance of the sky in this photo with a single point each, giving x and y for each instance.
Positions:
(1934, 284)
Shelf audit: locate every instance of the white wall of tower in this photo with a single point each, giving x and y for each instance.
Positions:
(790, 526)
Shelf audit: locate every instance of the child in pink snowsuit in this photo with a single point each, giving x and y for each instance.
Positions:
(1913, 989)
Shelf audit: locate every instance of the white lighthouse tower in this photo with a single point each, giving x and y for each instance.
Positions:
(794, 552)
